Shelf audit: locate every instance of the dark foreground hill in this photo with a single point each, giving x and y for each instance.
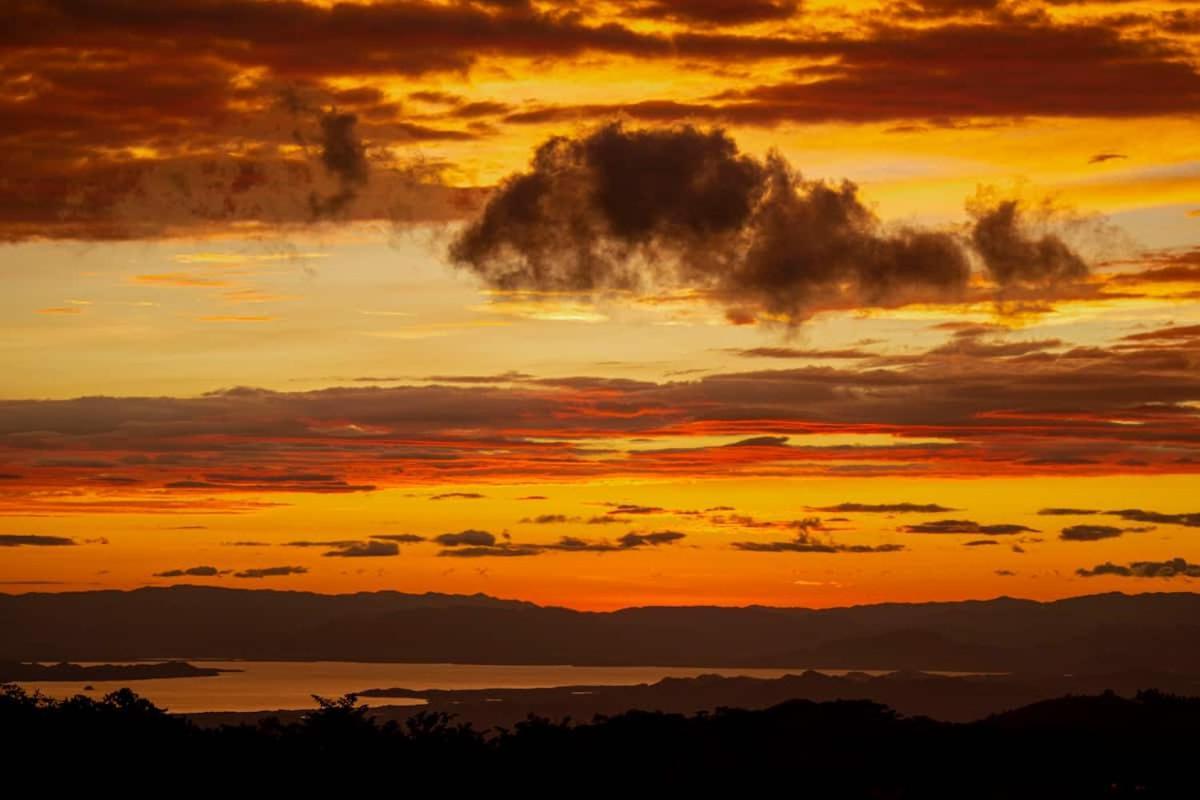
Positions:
(1096, 633)
(1072, 747)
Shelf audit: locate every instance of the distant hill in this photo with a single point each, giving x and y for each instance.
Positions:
(1095, 633)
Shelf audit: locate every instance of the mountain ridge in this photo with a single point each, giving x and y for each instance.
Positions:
(1102, 631)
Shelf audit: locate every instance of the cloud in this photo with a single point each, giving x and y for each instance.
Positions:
(34, 540)
(1187, 520)
(1015, 255)
(195, 88)
(1100, 158)
(402, 538)
(1068, 512)
(1173, 568)
(954, 526)
(682, 208)
(322, 543)
(192, 572)
(625, 509)
(492, 551)
(631, 540)
(804, 542)
(458, 496)
(270, 572)
(1075, 411)
(548, 519)
(1090, 533)
(716, 12)
(468, 537)
(884, 508)
(344, 156)
(1169, 333)
(371, 549)
(800, 352)
(481, 544)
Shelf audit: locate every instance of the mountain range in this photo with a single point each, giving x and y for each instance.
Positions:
(1090, 634)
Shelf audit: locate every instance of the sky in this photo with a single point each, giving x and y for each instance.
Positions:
(602, 304)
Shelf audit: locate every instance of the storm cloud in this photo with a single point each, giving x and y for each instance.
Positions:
(683, 208)
(680, 208)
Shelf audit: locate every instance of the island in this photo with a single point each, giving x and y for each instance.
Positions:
(17, 671)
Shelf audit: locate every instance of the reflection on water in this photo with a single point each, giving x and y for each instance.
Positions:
(288, 684)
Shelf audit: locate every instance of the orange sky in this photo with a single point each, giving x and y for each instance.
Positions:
(273, 299)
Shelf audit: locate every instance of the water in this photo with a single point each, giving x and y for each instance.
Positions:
(279, 685)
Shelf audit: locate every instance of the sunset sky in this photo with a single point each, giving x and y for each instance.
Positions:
(602, 304)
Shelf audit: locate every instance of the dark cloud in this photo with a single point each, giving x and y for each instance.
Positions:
(885, 508)
(1090, 533)
(980, 543)
(402, 538)
(952, 526)
(549, 519)
(655, 538)
(34, 540)
(806, 543)
(365, 550)
(194, 81)
(1100, 158)
(932, 76)
(486, 546)
(322, 543)
(458, 496)
(469, 537)
(345, 157)
(1015, 255)
(1173, 568)
(192, 572)
(682, 208)
(493, 551)
(630, 508)
(270, 572)
(716, 12)
(315, 484)
(1068, 512)
(1170, 333)
(1187, 520)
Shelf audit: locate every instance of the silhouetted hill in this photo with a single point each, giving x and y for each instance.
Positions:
(1107, 632)
(1075, 747)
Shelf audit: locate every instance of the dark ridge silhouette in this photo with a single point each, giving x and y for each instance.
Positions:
(13, 671)
(1095, 633)
(1077, 747)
